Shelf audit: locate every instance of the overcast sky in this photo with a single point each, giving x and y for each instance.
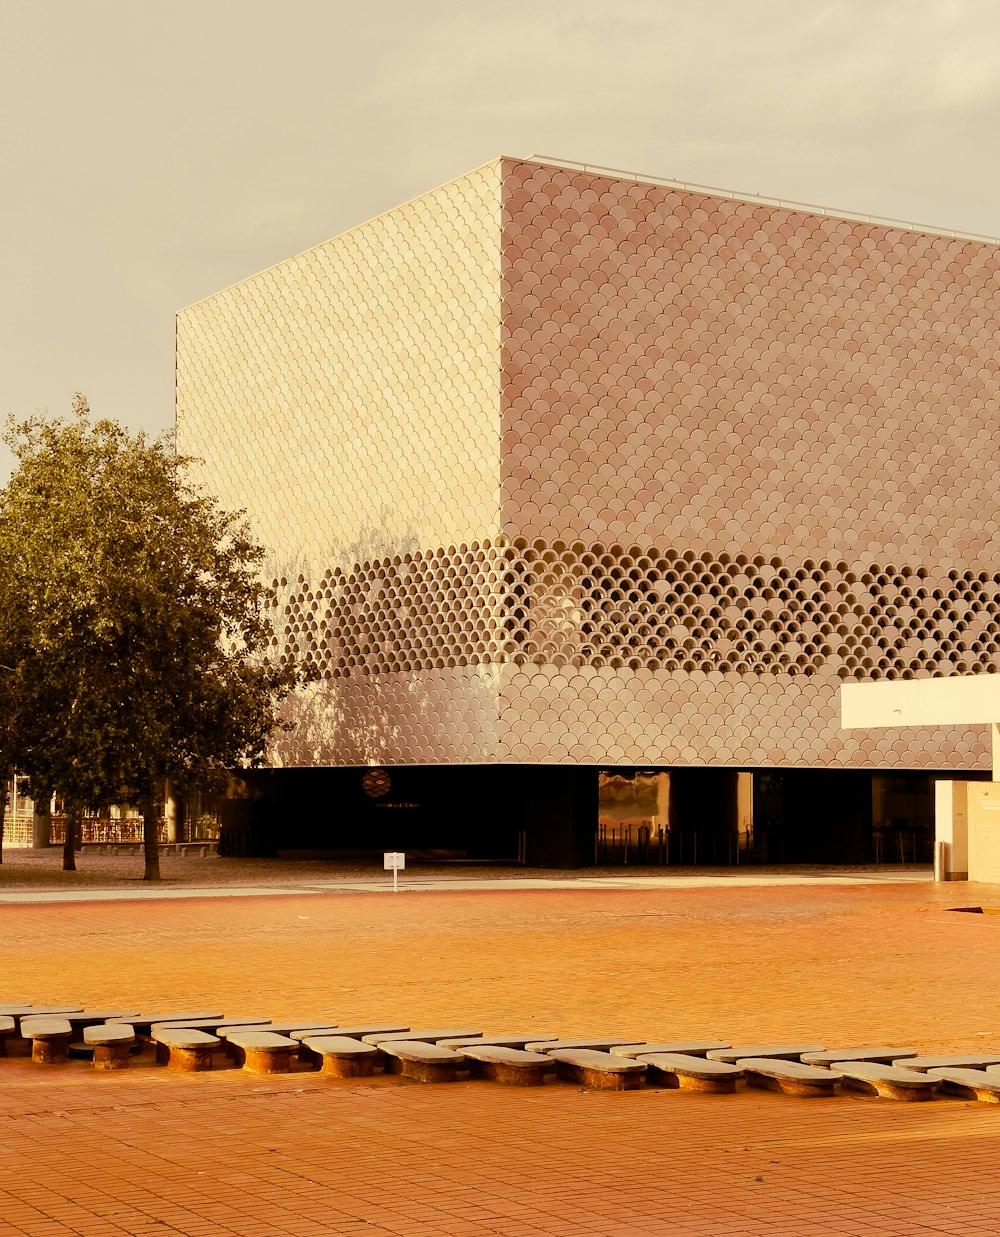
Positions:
(152, 153)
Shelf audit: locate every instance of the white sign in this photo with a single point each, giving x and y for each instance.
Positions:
(394, 860)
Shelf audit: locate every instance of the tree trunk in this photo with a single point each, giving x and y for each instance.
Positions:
(69, 843)
(3, 816)
(41, 821)
(150, 846)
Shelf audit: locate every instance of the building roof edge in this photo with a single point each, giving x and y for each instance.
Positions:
(346, 232)
(803, 208)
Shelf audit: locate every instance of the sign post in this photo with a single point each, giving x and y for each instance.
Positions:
(394, 860)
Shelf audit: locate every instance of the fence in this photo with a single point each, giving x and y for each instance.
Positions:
(108, 830)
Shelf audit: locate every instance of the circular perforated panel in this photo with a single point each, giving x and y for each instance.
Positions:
(632, 608)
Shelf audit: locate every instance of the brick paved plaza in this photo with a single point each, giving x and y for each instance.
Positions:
(153, 1152)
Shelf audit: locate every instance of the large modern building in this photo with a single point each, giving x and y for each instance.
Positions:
(568, 476)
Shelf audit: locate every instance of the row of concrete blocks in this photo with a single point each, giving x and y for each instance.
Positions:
(189, 1040)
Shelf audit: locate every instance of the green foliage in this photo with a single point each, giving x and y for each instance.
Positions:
(133, 619)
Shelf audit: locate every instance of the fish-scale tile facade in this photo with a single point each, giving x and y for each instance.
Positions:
(562, 468)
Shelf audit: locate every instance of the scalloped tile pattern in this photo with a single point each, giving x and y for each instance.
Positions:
(349, 397)
(561, 468)
(686, 370)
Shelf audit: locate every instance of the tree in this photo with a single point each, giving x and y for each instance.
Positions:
(146, 649)
(13, 646)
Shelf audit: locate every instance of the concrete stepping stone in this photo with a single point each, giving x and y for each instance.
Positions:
(982, 1085)
(211, 1025)
(789, 1077)
(340, 1056)
(567, 1045)
(961, 1060)
(111, 1043)
(354, 1032)
(306, 1026)
(49, 1037)
(689, 1048)
(674, 1069)
(498, 1041)
(421, 1060)
(427, 1037)
(141, 1023)
(280, 1028)
(597, 1070)
(184, 1048)
(45, 1011)
(512, 1066)
(263, 1052)
(888, 1081)
(777, 1052)
(90, 1017)
(831, 1055)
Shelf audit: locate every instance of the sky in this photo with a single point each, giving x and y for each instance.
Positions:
(153, 153)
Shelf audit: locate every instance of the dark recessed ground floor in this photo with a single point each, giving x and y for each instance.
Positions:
(573, 816)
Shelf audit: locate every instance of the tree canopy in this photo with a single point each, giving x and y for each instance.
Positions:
(135, 635)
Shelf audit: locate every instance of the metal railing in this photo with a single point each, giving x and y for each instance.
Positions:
(104, 830)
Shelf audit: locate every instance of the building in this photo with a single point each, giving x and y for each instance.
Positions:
(564, 473)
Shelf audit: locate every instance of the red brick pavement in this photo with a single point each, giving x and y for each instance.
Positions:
(150, 1152)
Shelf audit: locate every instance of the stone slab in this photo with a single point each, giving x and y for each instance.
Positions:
(777, 1052)
(686, 1048)
(428, 1037)
(831, 1055)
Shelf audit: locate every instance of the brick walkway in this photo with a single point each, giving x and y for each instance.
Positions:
(150, 1152)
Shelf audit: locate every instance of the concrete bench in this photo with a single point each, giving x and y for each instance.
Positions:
(566, 1045)
(16, 1039)
(788, 1077)
(427, 1037)
(203, 849)
(213, 1024)
(831, 1056)
(691, 1048)
(598, 1070)
(340, 1056)
(49, 1037)
(184, 1048)
(263, 1052)
(969, 1084)
(497, 1041)
(353, 1032)
(969, 1060)
(112, 1044)
(308, 1026)
(91, 1017)
(777, 1052)
(514, 1067)
(674, 1069)
(421, 1061)
(888, 1081)
(142, 1023)
(313, 1026)
(7, 1027)
(356, 1032)
(46, 1011)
